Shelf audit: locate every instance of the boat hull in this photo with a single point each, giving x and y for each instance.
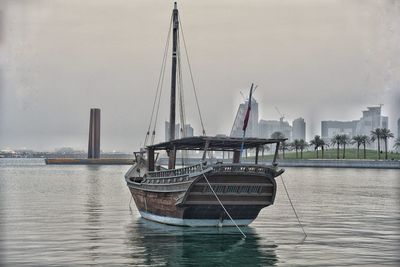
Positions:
(193, 222)
(192, 202)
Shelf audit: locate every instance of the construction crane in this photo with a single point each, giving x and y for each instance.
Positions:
(282, 115)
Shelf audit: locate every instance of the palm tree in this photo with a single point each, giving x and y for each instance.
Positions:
(296, 145)
(316, 142)
(264, 147)
(336, 141)
(302, 145)
(344, 140)
(365, 140)
(277, 135)
(360, 140)
(377, 135)
(357, 139)
(397, 143)
(283, 145)
(322, 144)
(386, 134)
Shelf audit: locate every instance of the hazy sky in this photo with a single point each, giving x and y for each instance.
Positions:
(318, 59)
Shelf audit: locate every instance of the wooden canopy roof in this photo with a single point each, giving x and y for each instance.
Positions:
(213, 143)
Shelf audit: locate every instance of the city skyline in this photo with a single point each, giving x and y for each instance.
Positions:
(263, 128)
(314, 59)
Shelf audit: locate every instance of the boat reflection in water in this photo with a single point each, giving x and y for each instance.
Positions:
(152, 243)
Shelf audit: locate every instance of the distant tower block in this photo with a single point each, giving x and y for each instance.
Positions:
(398, 128)
(94, 134)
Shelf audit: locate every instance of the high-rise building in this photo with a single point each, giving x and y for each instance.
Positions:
(398, 128)
(188, 131)
(371, 119)
(177, 131)
(268, 127)
(252, 126)
(299, 129)
(331, 128)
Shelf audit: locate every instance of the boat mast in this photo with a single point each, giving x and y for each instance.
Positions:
(175, 30)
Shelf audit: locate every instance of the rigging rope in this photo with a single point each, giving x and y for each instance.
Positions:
(180, 90)
(222, 205)
(157, 98)
(191, 77)
(159, 88)
(295, 213)
(181, 101)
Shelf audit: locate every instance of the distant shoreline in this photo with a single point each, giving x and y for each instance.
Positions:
(303, 163)
(341, 163)
(317, 163)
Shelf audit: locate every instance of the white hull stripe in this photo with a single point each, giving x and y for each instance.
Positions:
(193, 222)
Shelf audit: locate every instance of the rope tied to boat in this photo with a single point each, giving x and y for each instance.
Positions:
(294, 210)
(222, 205)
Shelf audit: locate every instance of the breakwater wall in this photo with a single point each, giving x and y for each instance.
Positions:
(101, 161)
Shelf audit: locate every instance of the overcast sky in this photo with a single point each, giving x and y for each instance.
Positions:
(318, 59)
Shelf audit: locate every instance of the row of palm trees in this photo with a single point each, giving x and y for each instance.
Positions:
(341, 140)
(381, 134)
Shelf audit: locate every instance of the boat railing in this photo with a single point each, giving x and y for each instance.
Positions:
(175, 172)
(241, 168)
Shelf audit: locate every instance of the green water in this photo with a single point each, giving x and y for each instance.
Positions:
(80, 215)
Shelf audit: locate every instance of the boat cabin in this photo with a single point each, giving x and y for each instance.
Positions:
(208, 143)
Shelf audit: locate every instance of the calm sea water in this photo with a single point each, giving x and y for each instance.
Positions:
(80, 215)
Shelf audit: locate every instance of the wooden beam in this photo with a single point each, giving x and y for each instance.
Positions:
(172, 159)
(276, 153)
(236, 156)
(257, 150)
(150, 159)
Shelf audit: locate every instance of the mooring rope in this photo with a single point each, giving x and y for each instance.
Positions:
(130, 203)
(222, 205)
(295, 213)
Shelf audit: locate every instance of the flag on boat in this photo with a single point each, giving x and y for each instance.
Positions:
(247, 116)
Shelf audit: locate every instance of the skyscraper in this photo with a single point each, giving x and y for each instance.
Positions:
(177, 131)
(299, 129)
(268, 127)
(188, 131)
(371, 119)
(252, 126)
(331, 128)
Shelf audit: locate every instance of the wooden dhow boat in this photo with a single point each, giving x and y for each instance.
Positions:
(211, 192)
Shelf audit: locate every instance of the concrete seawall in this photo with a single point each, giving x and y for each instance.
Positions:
(313, 163)
(101, 161)
(329, 163)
